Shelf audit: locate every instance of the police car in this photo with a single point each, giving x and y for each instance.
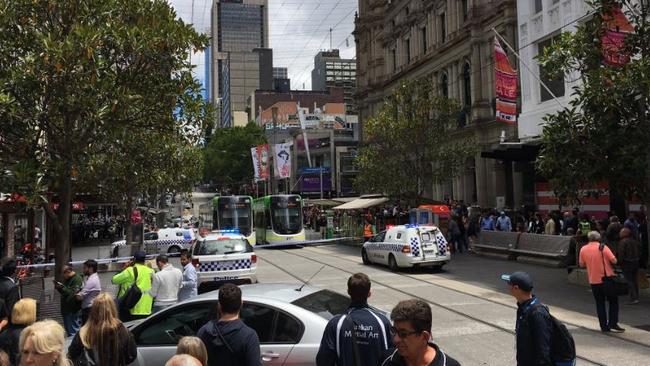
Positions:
(405, 246)
(166, 241)
(223, 256)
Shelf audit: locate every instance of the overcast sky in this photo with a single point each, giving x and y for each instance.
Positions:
(298, 30)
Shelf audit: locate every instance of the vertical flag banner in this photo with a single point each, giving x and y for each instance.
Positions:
(617, 27)
(264, 159)
(282, 160)
(256, 164)
(506, 86)
(225, 98)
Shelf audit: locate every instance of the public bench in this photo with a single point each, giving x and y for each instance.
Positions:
(536, 248)
(496, 241)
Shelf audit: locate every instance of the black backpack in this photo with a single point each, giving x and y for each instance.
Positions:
(133, 294)
(563, 347)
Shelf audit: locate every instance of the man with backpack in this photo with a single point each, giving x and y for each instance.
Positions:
(135, 303)
(540, 338)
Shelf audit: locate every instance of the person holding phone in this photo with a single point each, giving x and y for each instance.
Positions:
(70, 305)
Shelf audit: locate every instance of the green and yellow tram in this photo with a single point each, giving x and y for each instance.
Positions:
(278, 219)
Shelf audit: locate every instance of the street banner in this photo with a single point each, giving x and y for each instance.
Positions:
(506, 86)
(282, 160)
(260, 155)
(617, 27)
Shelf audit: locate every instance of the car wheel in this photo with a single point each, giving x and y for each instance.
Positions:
(436, 268)
(173, 250)
(364, 257)
(392, 263)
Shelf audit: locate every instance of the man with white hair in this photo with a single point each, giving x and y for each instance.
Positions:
(183, 360)
(599, 260)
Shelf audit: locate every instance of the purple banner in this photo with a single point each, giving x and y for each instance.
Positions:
(311, 183)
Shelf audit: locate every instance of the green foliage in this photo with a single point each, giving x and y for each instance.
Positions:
(228, 160)
(412, 143)
(603, 135)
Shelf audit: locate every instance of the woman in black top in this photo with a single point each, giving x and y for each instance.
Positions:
(22, 315)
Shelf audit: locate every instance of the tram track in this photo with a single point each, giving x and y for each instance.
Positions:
(434, 303)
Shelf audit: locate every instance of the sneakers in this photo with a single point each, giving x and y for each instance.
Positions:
(616, 329)
(633, 302)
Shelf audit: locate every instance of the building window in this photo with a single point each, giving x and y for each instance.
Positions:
(394, 52)
(423, 36)
(467, 86)
(556, 85)
(537, 5)
(444, 85)
(465, 5)
(407, 46)
(443, 28)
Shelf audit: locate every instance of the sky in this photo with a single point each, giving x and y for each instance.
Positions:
(298, 30)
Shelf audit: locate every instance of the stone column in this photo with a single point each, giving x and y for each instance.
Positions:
(517, 186)
(481, 181)
(499, 180)
(9, 235)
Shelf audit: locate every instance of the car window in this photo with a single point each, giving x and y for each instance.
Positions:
(379, 238)
(179, 233)
(150, 236)
(260, 318)
(399, 236)
(221, 246)
(426, 237)
(288, 329)
(324, 303)
(170, 326)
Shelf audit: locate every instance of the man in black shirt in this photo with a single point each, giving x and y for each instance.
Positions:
(9, 292)
(411, 330)
(228, 340)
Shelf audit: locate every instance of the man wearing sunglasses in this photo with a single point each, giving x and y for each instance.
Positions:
(412, 337)
(360, 336)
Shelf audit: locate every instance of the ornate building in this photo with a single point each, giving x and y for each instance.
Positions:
(452, 43)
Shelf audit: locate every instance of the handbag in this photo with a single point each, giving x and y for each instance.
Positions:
(133, 294)
(614, 285)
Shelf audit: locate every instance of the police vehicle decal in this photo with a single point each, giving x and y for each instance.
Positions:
(415, 246)
(229, 265)
(168, 242)
(442, 243)
(389, 247)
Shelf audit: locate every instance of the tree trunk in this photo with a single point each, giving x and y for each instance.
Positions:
(127, 225)
(62, 248)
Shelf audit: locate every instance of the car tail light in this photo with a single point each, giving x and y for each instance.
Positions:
(195, 262)
(406, 249)
(253, 258)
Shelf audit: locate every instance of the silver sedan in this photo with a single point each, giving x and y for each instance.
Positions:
(288, 321)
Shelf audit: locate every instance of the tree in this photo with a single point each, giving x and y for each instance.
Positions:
(602, 136)
(228, 160)
(75, 74)
(412, 143)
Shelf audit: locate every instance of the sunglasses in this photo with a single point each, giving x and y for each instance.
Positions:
(402, 333)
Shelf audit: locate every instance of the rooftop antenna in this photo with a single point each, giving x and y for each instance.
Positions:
(310, 278)
(330, 39)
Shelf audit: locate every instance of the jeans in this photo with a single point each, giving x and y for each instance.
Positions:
(631, 276)
(71, 323)
(606, 323)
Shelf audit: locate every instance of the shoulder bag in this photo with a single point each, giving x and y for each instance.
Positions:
(133, 294)
(614, 285)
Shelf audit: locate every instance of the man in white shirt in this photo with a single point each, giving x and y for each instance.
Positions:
(165, 285)
(188, 288)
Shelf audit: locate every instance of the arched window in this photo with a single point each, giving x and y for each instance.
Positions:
(444, 85)
(467, 85)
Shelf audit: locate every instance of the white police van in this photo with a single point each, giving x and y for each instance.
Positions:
(163, 241)
(223, 256)
(405, 246)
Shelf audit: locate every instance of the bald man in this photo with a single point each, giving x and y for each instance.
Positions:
(183, 360)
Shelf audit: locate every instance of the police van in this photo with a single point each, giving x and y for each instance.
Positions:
(163, 241)
(406, 246)
(223, 256)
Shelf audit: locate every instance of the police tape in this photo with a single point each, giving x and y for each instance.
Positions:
(98, 260)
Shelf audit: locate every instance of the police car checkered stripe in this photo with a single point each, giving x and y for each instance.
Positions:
(386, 246)
(415, 246)
(230, 265)
(442, 243)
(167, 242)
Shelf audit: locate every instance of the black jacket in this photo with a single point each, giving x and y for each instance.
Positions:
(230, 343)
(393, 358)
(9, 292)
(9, 339)
(126, 344)
(534, 330)
(372, 335)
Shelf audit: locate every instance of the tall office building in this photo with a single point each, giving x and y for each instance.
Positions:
(331, 70)
(280, 73)
(239, 31)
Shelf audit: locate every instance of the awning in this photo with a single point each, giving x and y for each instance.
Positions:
(362, 202)
(329, 201)
(520, 153)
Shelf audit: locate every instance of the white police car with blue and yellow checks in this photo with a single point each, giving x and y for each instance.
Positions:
(404, 246)
(223, 256)
(162, 241)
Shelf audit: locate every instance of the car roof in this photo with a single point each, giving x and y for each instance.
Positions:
(282, 292)
(216, 235)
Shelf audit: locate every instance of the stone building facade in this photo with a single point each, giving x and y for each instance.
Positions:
(451, 42)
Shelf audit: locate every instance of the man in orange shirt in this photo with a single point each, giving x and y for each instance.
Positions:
(599, 261)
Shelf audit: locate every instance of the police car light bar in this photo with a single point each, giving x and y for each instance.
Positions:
(229, 231)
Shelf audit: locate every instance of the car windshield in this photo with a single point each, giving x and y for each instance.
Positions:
(324, 303)
(221, 246)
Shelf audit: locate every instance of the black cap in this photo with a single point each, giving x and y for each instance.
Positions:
(519, 279)
(140, 256)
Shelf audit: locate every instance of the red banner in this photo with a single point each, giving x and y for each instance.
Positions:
(613, 39)
(260, 154)
(505, 85)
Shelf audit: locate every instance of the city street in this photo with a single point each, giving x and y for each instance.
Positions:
(474, 317)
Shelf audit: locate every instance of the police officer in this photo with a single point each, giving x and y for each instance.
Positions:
(360, 336)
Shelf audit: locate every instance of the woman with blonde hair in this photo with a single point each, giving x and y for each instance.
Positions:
(103, 338)
(22, 316)
(193, 346)
(41, 344)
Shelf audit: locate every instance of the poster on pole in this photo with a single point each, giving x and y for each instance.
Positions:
(282, 160)
(260, 155)
(506, 86)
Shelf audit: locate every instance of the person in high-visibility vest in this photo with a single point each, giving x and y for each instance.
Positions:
(367, 231)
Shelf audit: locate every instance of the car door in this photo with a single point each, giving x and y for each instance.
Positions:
(263, 319)
(158, 335)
